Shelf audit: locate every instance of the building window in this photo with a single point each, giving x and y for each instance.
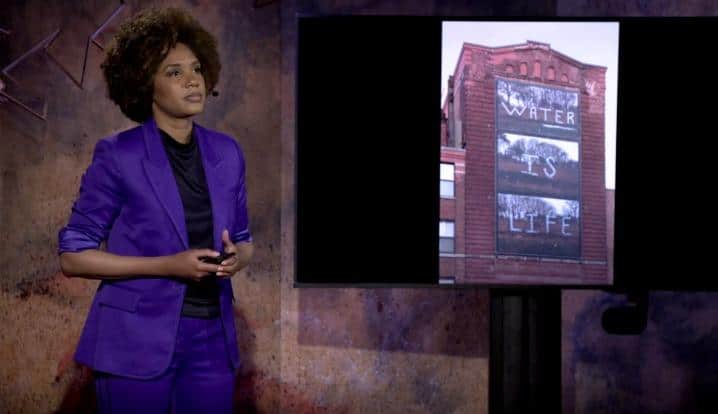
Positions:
(447, 280)
(446, 189)
(537, 69)
(524, 69)
(446, 236)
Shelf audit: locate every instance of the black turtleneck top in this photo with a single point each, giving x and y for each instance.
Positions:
(201, 298)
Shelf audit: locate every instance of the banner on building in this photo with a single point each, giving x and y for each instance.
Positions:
(527, 108)
(537, 166)
(538, 226)
(537, 170)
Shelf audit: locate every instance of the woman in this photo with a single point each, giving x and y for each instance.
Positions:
(166, 196)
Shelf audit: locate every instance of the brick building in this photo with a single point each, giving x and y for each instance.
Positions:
(523, 197)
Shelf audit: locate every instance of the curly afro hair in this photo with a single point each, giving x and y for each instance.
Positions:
(141, 45)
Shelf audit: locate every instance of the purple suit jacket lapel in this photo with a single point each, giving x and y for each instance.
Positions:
(217, 184)
(159, 173)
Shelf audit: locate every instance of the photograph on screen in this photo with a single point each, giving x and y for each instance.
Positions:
(527, 170)
(536, 165)
(538, 226)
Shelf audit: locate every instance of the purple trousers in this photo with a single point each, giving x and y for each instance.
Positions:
(200, 378)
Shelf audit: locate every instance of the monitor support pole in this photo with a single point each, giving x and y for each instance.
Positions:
(525, 352)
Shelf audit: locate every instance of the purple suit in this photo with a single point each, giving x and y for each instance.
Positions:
(129, 197)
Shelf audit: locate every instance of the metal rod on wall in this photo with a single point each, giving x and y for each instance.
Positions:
(90, 41)
(44, 45)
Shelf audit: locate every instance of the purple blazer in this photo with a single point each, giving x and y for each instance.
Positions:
(129, 197)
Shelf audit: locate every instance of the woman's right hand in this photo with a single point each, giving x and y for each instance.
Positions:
(187, 264)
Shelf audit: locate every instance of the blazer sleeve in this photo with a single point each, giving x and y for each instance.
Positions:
(241, 221)
(97, 205)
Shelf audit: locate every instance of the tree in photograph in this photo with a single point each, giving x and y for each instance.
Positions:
(546, 150)
(572, 208)
(517, 149)
(503, 143)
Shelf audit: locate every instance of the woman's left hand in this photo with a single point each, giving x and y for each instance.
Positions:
(242, 255)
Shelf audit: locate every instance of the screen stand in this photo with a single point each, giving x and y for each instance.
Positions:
(525, 352)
